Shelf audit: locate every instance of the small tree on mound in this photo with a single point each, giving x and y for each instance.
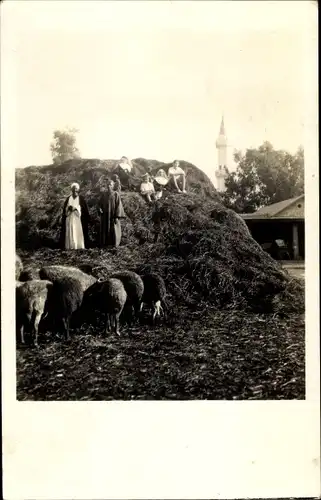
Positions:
(264, 176)
(63, 147)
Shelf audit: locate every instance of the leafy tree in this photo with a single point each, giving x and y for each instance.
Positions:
(63, 147)
(264, 176)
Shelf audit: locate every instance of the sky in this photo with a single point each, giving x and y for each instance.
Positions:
(152, 79)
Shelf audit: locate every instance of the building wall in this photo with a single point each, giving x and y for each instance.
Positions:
(295, 210)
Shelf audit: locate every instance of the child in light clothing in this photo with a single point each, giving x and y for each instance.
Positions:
(147, 189)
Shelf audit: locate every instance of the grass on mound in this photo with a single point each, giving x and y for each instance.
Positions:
(202, 352)
(190, 280)
(204, 250)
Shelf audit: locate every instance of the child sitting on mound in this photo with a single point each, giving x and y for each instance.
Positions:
(147, 189)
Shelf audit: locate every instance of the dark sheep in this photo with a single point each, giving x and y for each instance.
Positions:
(19, 267)
(134, 287)
(32, 298)
(86, 268)
(108, 297)
(154, 293)
(28, 275)
(65, 299)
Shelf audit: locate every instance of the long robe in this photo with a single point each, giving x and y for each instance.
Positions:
(84, 221)
(74, 239)
(112, 210)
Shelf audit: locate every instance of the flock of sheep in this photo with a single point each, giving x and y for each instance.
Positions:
(58, 292)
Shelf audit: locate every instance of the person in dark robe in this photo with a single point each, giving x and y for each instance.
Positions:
(117, 183)
(128, 175)
(73, 234)
(123, 170)
(111, 211)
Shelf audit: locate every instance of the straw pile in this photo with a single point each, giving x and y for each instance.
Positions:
(204, 251)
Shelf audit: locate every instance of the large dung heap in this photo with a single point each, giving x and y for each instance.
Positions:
(203, 250)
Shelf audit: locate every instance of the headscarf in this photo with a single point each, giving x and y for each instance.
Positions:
(161, 177)
(125, 164)
(110, 182)
(75, 184)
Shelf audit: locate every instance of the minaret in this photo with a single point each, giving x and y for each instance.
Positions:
(221, 145)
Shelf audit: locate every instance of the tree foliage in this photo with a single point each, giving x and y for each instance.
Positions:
(63, 146)
(264, 176)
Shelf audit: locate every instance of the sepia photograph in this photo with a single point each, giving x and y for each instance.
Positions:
(160, 211)
(159, 250)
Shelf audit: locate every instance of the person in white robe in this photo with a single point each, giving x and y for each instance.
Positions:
(74, 235)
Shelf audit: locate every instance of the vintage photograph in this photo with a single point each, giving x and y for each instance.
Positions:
(160, 205)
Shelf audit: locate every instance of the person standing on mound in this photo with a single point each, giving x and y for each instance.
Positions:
(111, 211)
(117, 183)
(176, 173)
(75, 218)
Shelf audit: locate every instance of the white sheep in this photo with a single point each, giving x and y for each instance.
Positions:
(57, 272)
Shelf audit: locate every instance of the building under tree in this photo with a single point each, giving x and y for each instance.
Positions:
(279, 228)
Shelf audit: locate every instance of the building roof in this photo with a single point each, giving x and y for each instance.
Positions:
(274, 210)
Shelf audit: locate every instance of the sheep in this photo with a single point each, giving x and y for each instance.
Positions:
(109, 297)
(31, 306)
(134, 287)
(65, 298)
(19, 266)
(56, 272)
(86, 268)
(29, 274)
(154, 293)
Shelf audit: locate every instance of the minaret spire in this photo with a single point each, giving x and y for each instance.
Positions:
(222, 128)
(221, 145)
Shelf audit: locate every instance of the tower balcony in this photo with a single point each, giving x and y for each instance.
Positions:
(221, 142)
(221, 172)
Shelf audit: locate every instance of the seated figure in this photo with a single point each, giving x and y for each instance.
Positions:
(124, 170)
(161, 180)
(147, 189)
(125, 164)
(176, 173)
